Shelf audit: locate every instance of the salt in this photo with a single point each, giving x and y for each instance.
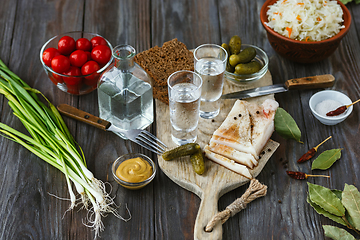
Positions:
(326, 106)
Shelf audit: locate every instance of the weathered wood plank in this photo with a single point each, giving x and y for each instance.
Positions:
(121, 22)
(32, 212)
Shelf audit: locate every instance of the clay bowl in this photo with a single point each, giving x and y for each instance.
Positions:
(300, 51)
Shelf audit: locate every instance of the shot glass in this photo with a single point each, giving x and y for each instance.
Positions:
(184, 103)
(210, 63)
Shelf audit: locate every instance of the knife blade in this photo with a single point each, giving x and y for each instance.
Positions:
(313, 82)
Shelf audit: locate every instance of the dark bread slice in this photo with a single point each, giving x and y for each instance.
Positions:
(161, 93)
(160, 63)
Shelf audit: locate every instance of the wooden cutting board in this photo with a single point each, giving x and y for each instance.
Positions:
(217, 180)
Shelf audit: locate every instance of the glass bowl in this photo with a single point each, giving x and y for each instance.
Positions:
(260, 57)
(84, 83)
(131, 185)
(333, 95)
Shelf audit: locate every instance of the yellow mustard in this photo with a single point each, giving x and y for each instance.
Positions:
(134, 170)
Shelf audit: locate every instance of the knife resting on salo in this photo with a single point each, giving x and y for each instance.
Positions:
(320, 81)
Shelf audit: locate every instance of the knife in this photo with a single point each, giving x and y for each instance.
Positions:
(320, 81)
(85, 117)
(141, 137)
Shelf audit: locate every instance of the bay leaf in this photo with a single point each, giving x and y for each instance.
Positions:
(338, 193)
(326, 159)
(337, 233)
(351, 201)
(321, 211)
(326, 199)
(286, 126)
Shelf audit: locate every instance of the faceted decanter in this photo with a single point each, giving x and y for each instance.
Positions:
(125, 92)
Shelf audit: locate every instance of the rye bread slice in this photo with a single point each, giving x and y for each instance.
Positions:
(161, 62)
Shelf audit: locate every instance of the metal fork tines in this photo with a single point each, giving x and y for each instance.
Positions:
(146, 140)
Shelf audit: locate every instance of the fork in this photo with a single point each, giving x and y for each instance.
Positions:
(139, 136)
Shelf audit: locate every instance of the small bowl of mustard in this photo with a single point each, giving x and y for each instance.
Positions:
(133, 170)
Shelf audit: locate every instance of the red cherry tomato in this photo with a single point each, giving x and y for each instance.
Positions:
(88, 55)
(73, 84)
(101, 54)
(91, 67)
(60, 64)
(66, 45)
(48, 55)
(92, 80)
(96, 41)
(73, 71)
(73, 89)
(83, 44)
(56, 78)
(78, 58)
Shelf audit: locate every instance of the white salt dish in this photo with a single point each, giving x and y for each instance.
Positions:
(330, 95)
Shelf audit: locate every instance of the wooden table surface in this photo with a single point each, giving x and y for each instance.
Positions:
(163, 210)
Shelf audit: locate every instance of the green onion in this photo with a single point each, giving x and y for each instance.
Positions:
(52, 141)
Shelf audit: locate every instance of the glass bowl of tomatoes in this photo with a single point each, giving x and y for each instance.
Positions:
(75, 60)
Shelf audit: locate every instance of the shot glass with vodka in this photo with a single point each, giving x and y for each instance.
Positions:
(184, 88)
(210, 63)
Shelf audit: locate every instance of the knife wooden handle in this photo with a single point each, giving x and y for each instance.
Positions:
(320, 81)
(82, 116)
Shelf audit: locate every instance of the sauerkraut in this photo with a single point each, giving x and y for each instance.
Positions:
(306, 20)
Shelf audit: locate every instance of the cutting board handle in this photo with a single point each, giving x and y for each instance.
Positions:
(320, 81)
(208, 209)
(82, 116)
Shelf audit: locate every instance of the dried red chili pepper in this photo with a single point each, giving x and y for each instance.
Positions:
(296, 175)
(309, 154)
(302, 176)
(337, 111)
(340, 110)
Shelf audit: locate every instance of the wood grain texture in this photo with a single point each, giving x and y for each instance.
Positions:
(28, 179)
(163, 210)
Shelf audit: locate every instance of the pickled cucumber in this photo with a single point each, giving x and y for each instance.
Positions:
(234, 60)
(229, 68)
(247, 55)
(197, 162)
(248, 68)
(244, 56)
(184, 150)
(226, 47)
(235, 44)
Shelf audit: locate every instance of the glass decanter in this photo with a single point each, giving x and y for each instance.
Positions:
(125, 92)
